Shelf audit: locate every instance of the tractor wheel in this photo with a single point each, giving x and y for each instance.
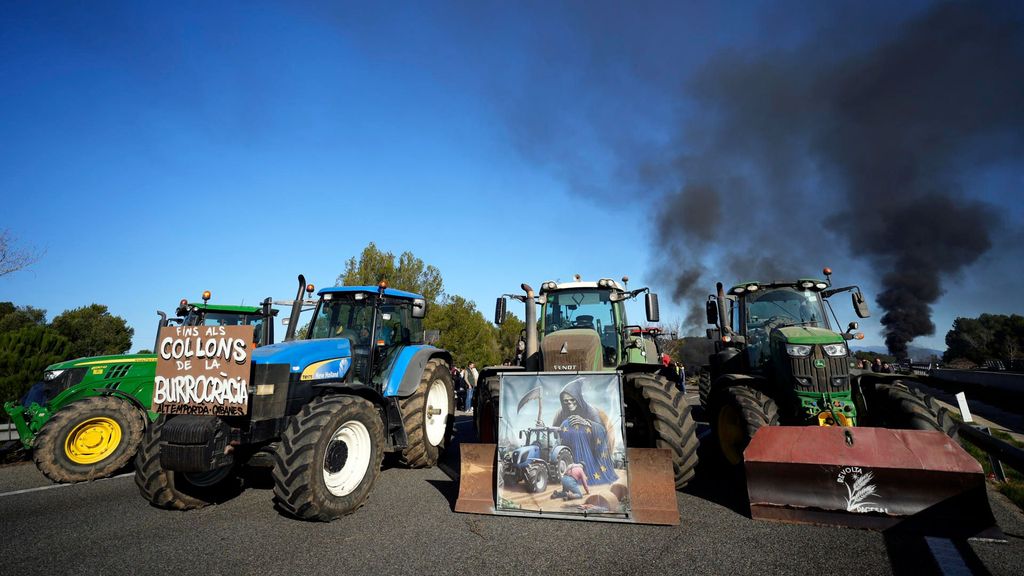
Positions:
(328, 458)
(537, 478)
(902, 408)
(704, 387)
(427, 415)
(739, 412)
(179, 490)
(563, 462)
(88, 439)
(485, 410)
(657, 416)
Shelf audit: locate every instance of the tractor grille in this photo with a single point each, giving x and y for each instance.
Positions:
(834, 376)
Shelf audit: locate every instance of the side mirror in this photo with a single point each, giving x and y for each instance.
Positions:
(651, 303)
(852, 326)
(860, 305)
(419, 308)
(712, 312)
(499, 311)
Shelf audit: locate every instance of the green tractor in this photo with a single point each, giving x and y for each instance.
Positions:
(87, 416)
(814, 436)
(582, 328)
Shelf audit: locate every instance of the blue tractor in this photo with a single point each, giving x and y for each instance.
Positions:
(542, 458)
(322, 411)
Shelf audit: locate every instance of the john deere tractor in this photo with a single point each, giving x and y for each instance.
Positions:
(320, 412)
(583, 327)
(86, 417)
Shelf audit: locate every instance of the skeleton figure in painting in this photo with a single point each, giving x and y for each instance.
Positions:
(588, 432)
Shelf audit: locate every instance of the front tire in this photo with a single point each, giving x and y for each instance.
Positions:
(901, 408)
(657, 416)
(88, 439)
(740, 411)
(427, 415)
(179, 490)
(329, 458)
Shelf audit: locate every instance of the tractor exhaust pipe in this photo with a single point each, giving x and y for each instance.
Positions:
(722, 302)
(163, 322)
(531, 325)
(293, 319)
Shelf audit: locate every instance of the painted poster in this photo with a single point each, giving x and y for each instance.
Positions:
(561, 447)
(203, 370)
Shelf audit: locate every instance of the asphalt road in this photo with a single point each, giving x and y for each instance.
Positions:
(408, 526)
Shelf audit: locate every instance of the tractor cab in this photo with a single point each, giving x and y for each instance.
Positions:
(583, 326)
(206, 314)
(376, 321)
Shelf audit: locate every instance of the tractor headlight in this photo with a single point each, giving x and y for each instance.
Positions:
(51, 374)
(798, 349)
(835, 349)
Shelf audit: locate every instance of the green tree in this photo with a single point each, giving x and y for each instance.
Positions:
(94, 331)
(464, 332)
(408, 273)
(508, 336)
(987, 337)
(24, 354)
(15, 317)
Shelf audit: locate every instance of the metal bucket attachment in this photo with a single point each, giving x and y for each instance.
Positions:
(651, 493)
(476, 479)
(872, 478)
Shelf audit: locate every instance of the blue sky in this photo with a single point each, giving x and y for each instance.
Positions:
(154, 150)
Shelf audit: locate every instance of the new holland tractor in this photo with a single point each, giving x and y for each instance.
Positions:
(583, 327)
(321, 412)
(541, 458)
(786, 407)
(86, 417)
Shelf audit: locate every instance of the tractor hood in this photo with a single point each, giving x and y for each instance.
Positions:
(301, 353)
(103, 360)
(808, 335)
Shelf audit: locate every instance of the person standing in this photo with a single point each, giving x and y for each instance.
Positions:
(470, 375)
(460, 389)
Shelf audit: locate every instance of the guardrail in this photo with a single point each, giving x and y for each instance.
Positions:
(999, 451)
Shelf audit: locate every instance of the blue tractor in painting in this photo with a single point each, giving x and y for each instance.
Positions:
(542, 458)
(322, 411)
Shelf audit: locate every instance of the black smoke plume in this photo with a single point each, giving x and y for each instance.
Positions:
(873, 148)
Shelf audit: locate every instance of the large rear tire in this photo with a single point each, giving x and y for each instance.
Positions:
(902, 408)
(704, 386)
(657, 416)
(329, 458)
(88, 439)
(428, 415)
(738, 413)
(485, 409)
(179, 490)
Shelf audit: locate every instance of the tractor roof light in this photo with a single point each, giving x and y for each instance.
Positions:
(206, 296)
(549, 285)
(310, 288)
(752, 287)
(821, 285)
(577, 277)
(359, 295)
(739, 290)
(383, 285)
(183, 302)
(807, 284)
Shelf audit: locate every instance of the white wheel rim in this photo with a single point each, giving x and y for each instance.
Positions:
(436, 419)
(356, 439)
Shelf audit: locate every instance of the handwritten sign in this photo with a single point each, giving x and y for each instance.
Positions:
(203, 370)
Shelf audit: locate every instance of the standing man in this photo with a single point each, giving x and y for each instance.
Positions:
(470, 375)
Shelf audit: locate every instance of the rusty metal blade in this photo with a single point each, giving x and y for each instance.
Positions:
(652, 488)
(872, 478)
(476, 479)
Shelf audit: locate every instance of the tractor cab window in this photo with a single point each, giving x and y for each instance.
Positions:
(590, 309)
(539, 439)
(784, 307)
(344, 317)
(208, 318)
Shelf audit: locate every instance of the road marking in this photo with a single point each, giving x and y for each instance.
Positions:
(52, 486)
(950, 562)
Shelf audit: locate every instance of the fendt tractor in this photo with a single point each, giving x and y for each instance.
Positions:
(321, 412)
(819, 441)
(86, 418)
(583, 328)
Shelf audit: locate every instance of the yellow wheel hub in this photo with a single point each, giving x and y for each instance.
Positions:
(92, 440)
(731, 430)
